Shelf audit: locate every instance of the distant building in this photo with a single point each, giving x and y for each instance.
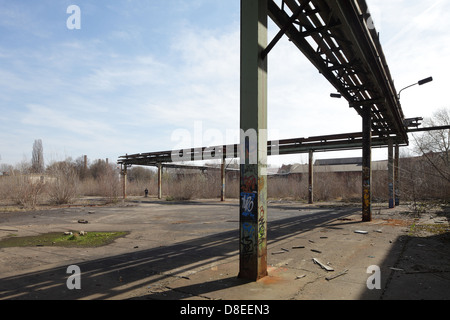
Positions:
(4, 174)
(332, 165)
(339, 162)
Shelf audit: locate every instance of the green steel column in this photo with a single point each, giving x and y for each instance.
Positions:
(159, 180)
(124, 180)
(253, 154)
(396, 175)
(223, 174)
(391, 173)
(311, 177)
(367, 165)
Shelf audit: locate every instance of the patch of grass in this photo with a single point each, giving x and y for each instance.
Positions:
(89, 240)
(429, 228)
(8, 209)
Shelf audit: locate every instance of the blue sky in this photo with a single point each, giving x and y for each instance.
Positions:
(139, 73)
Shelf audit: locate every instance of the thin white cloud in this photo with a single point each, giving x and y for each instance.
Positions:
(204, 85)
(416, 46)
(106, 98)
(125, 72)
(43, 116)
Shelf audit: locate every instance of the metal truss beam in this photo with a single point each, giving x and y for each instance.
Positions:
(336, 142)
(192, 167)
(429, 129)
(339, 40)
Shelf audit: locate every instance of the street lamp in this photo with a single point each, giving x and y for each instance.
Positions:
(421, 82)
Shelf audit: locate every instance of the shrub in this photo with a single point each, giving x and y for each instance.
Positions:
(63, 187)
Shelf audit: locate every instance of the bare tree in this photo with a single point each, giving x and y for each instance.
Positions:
(63, 187)
(81, 165)
(435, 145)
(37, 159)
(108, 180)
(22, 188)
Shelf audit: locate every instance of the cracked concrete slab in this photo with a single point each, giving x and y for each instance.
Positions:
(189, 251)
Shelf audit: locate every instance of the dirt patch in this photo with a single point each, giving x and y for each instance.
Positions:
(274, 276)
(181, 222)
(397, 222)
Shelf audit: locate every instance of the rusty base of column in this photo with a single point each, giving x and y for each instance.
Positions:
(253, 275)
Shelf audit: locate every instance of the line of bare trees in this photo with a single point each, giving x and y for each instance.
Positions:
(424, 175)
(424, 172)
(61, 182)
(427, 175)
(65, 181)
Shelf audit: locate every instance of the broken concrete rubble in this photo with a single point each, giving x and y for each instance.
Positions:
(323, 266)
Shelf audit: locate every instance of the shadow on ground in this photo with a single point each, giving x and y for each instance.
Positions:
(115, 276)
(421, 268)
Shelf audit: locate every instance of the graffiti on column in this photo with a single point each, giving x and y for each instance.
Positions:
(249, 211)
(248, 204)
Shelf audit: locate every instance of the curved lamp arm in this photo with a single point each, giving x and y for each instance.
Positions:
(421, 82)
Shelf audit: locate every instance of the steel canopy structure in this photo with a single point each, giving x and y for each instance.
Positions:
(340, 40)
(326, 143)
(338, 37)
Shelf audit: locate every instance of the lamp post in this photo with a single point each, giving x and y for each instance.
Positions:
(421, 82)
(394, 197)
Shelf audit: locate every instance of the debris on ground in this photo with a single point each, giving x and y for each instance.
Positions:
(396, 269)
(323, 266)
(337, 275)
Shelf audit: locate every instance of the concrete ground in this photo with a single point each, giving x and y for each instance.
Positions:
(189, 251)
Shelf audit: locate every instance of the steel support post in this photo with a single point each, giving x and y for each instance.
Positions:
(159, 180)
(253, 152)
(124, 181)
(366, 165)
(396, 175)
(223, 179)
(391, 173)
(311, 177)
